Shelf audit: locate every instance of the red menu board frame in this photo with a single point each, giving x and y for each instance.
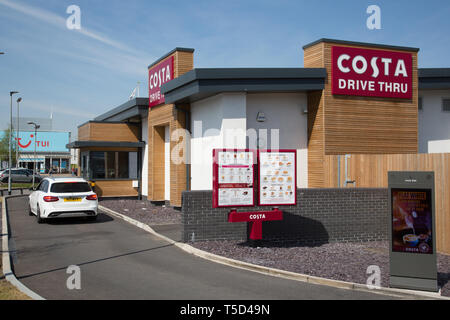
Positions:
(217, 185)
(294, 151)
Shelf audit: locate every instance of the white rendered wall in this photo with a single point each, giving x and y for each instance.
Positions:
(144, 182)
(216, 122)
(285, 112)
(167, 163)
(434, 123)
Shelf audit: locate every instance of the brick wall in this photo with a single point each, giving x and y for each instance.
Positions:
(320, 216)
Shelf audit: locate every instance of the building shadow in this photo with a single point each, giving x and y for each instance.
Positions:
(292, 231)
(101, 218)
(443, 278)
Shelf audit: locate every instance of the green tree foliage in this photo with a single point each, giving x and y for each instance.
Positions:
(4, 146)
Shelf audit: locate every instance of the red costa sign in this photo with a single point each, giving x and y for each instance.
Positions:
(157, 76)
(371, 73)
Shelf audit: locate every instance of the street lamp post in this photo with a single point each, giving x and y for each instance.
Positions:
(36, 126)
(17, 134)
(11, 93)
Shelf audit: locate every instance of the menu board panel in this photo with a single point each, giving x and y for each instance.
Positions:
(233, 178)
(277, 177)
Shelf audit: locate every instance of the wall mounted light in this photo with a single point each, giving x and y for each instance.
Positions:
(261, 117)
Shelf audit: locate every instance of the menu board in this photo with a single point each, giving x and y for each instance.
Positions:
(277, 177)
(233, 178)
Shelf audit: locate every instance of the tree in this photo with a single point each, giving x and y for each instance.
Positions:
(4, 146)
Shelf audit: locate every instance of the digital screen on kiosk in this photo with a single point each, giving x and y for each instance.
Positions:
(412, 221)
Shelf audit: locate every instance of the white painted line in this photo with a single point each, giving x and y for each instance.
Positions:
(7, 271)
(400, 293)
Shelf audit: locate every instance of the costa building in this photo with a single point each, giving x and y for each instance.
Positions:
(348, 98)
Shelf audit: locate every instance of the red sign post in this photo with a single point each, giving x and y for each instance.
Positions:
(371, 73)
(255, 219)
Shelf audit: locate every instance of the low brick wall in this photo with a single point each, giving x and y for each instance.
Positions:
(320, 216)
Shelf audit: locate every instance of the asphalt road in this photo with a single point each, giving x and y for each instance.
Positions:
(120, 261)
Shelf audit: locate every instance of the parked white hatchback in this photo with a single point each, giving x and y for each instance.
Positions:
(63, 197)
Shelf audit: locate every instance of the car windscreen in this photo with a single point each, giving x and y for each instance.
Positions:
(70, 187)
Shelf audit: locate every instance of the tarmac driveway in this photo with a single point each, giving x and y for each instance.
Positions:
(120, 261)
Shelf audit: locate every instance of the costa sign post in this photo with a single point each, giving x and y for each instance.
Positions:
(371, 73)
(157, 76)
(413, 259)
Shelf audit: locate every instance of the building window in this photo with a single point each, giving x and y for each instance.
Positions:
(110, 165)
(420, 104)
(446, 105)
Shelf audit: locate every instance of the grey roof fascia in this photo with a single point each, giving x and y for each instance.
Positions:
(136, 102)
(114, 144)
(434, 78)
(200, 83)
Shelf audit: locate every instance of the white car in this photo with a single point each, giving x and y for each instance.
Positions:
(63, 197)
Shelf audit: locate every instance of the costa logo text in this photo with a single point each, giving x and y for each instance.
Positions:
(158, 75)
(372, 73)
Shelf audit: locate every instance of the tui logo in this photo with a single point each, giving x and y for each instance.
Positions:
(24, 146)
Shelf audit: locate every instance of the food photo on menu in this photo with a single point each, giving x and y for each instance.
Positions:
(277, 183)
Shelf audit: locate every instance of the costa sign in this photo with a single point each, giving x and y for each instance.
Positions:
(157, 76)
(371, 73)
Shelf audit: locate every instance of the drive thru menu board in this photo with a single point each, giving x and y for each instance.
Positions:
(277, 177)
(233, 178)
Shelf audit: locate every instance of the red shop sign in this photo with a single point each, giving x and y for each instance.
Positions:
(157, 76)
(371, 73)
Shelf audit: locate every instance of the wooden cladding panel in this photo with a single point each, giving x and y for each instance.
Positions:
(158, 167)
(315, 139)
(370, 171)
(369, 125)
(184, 62)
(115, 188)
(83, 132)
(350, 124)
(159, 117)
(123, 132)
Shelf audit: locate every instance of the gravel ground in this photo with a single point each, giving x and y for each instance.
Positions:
(338, 261)
(144, 211)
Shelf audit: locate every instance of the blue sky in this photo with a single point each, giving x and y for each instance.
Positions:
(78, 74)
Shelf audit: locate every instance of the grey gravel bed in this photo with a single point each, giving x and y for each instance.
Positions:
(144, 211)
(338, 261)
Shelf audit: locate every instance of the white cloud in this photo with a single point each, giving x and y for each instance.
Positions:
(123, 58)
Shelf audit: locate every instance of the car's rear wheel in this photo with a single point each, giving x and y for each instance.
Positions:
(30, 213)
(38, 215)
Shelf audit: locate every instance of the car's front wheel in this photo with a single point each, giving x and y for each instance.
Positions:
(38, 215)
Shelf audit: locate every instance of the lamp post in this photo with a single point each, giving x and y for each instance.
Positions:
(11, 93)
(36, 126)
(17, 134)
